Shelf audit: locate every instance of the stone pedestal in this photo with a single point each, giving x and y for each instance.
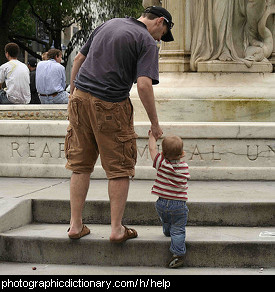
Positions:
(212, 97)
(175, 56)
(234, 67)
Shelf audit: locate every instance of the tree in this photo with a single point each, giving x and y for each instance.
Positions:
(54, 16)
(98, 12)
(122, 8)
(6, 7)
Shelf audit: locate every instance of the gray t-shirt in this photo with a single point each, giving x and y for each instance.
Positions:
(117, 53)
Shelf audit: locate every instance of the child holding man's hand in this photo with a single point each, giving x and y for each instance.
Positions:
(171, 188)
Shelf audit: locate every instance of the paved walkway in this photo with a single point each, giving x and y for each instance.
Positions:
(45, 269)
(199, 191)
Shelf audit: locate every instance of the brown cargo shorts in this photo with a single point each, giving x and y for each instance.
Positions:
(100, 128)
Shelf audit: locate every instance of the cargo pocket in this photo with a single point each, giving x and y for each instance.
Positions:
(67, 141)
(128, 155)
(108, 117)
(73, 111)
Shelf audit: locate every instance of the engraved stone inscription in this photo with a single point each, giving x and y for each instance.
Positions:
(32, 150)
(220, 153)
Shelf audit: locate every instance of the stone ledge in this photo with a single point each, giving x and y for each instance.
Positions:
(186, 97)
(236, 67)
(214, 151)
(186, 130)
(33, 112)
(180, 109)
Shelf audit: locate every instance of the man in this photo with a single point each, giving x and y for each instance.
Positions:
(118, 53)
(32, 63)
(15, 74)
(51, 79)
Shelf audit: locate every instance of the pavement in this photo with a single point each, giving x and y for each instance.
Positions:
(46, 269)
(199, 191)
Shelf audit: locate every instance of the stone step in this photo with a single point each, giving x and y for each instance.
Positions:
(144, 213)
(186, 97)
(206, 247)
(220, 203)
(214, 151)
(241, 235)
(188, 108)
(211, 97)
(55, 270)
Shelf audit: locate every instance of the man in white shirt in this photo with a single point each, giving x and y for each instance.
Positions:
(51, 79)
(16, 76)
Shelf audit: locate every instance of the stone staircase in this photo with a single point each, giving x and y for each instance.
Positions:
(229, 140)
(223, 230)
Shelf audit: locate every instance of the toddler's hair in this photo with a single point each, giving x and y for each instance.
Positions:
(172, 147)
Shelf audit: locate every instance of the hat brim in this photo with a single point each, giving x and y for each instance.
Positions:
(168, 37)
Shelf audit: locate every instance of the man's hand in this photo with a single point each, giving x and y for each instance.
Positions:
(156, 131)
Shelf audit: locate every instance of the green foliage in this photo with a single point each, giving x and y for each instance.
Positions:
(122, 8)
(56, 15)
(22, 23)
(61, 13)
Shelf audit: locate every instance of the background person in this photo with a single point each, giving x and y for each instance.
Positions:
(15, 75)
(45, 56)
(51, 79)
(32, 63)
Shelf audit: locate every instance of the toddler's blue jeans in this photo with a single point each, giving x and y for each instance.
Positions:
(173, 215)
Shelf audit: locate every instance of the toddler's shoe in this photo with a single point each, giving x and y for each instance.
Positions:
(176, 262)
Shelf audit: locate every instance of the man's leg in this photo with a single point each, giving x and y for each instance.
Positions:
(78, 191)
(118, 192)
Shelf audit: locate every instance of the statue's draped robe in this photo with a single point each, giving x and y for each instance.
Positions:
(222, 29)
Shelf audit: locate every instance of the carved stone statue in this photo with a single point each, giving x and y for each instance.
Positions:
(147, 3)
(262, 47)
(230, 30)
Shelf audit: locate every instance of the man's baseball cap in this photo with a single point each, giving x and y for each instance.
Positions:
(162, 12)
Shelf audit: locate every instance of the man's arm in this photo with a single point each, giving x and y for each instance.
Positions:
(78, 61)
(152, 146)
(146, 95)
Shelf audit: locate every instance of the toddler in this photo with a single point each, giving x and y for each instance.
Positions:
(171, 188)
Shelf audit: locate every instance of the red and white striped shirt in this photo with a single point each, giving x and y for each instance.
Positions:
(172, 177)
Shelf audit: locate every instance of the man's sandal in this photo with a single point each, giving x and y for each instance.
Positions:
(128, 234)
(85, 231)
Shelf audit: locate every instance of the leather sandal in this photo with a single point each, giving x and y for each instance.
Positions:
(128, 234)
(85, 231)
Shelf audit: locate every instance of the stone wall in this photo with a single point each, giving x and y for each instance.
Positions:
(214, 151)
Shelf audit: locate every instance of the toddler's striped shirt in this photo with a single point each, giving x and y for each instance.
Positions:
(172, 177)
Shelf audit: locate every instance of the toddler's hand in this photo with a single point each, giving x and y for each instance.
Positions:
(150, 134)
